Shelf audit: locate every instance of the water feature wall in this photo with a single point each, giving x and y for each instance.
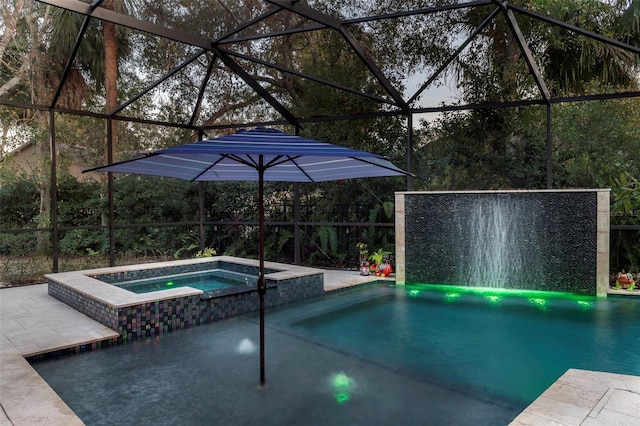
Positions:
(552, 240)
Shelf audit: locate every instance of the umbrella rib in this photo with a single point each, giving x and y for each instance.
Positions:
(148, 155)
(293, 160)
(280, 159)
(382, 166)
(233, 157)
(209, 167)
(241, 160)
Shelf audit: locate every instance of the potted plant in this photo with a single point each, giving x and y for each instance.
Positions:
(363, 252)
(377, 256)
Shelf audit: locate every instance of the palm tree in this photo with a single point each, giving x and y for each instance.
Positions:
(96, 58)
(111, 70)
(104, 44)
(574, 63)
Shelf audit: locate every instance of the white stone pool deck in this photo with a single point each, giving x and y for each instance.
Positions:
(32, 323)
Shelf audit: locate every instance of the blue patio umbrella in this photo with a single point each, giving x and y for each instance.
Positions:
(261, 154)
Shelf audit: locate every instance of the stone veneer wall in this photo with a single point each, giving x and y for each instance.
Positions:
(162, 316)
(565, 238)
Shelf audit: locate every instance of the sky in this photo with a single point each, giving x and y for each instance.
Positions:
(432, 97)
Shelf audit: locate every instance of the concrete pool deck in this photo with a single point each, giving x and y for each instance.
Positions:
(33, 323)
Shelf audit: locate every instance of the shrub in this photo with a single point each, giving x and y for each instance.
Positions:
(23, 270)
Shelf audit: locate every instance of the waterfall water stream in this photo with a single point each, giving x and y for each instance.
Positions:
(491, 243)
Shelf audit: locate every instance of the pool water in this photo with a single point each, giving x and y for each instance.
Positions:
(214, 279)
(373, 355)
(509, 345)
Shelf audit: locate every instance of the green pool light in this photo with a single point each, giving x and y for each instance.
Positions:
(342, 386)
(493, 299)
(538, 302)
(169, 283)
(341, 381)
(498, 292)
(451, 297)
(342, 397)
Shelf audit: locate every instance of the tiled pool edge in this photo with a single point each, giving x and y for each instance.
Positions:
(140, 315)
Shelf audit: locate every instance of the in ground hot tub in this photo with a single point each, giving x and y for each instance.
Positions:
(102, 294)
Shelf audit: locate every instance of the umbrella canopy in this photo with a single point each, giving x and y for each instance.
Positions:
(241, 156)
(260, 155)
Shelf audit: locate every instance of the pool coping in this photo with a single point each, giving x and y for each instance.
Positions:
(623, 292)
(585, 397)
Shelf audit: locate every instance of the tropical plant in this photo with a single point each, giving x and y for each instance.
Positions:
(625, 210)
(379, 255)
(207, 252)
(572, 64)
(363, 252)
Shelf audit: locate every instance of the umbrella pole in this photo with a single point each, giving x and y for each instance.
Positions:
(262, 288)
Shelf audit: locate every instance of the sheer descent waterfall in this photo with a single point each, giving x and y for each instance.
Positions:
(491, 243)
(553, 240)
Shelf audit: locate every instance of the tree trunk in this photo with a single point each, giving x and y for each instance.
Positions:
(111, 94)
(42, 150)
(111, 77)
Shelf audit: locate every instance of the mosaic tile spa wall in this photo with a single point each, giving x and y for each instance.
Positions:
(533, 240)
(162, 313)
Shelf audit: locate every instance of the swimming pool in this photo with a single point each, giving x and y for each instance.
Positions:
(510, 344)
(373, 355)
(211, 280)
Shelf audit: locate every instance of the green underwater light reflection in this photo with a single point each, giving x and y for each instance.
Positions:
(414, 293)
(169, 283)
(451, 297)
(585, 305)
(538, 302)
(342, 386)
(342, 397)
(493, 299)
